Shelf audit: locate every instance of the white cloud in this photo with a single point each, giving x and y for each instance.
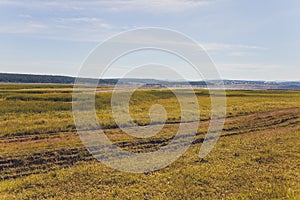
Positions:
(117, 5)
(223, 46)
(80, 19)
(23, 27)
(258, 71)
(86, 21)
(40, 67)
(155, 5)
(248, 66)
(77, 29)
(234, 50)
(25, 16)
(238, 53)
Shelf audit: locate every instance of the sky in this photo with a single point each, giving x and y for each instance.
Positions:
(246, 39)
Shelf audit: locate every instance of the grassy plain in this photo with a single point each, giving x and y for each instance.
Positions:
(42, 157)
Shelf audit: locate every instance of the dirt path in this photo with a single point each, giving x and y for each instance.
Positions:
(31, 154)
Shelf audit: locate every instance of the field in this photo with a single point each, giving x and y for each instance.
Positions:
(42, 157)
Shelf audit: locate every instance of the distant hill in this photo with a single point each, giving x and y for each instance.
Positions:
(229, 84)
(30, 78)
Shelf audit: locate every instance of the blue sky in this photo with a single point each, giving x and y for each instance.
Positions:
(258, 40)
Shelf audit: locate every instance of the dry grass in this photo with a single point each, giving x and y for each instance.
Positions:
(257, 157)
